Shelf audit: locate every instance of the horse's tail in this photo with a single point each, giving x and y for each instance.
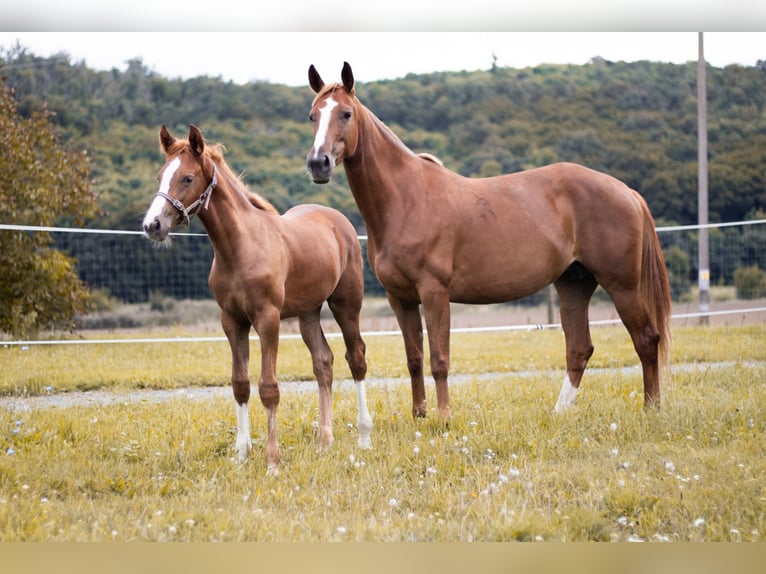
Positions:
(655, 286)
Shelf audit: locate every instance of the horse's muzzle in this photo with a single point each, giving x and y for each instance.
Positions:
(320, 166)
(154, 231)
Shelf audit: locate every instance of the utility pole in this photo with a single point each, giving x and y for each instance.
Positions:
(702, 189)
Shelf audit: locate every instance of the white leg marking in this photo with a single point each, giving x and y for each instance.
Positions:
(364, 421)
(244, 444)
(566, 396)
(325, 113)
(155, 209)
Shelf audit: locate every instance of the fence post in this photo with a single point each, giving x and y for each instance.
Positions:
(702, 188)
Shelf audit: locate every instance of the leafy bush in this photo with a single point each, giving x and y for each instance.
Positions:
(750, 282)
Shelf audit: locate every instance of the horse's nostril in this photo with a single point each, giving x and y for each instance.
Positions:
(319, 162)
(152, 227)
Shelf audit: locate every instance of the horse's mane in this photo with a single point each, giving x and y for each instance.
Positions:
(431, 157)
(215, 153)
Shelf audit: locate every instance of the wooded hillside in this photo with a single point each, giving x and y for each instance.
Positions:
(636, 121)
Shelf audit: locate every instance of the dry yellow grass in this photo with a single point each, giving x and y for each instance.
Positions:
(505, 469)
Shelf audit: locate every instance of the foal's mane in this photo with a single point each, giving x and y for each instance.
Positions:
(215, 153)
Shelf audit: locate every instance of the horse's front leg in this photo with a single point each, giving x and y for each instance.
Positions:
(437, 314)
(237, 334)
(267, 327)
(408, 317)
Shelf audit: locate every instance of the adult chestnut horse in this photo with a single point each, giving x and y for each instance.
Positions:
(435, 236)
(266, 267)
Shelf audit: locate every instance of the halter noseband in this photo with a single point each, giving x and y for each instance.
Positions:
(186, 212)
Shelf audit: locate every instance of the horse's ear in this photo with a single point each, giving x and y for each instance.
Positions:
(315, 81)
(348, 78)
(196, 141)
(166, 138)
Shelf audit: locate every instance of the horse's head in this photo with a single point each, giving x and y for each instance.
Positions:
(186, 183)
(335, 128)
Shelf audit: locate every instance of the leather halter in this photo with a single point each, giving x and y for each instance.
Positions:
(186, 212)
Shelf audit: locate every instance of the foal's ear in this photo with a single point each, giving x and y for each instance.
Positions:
(315, 81)
(348, 78)
(166, 138)
(196, 141)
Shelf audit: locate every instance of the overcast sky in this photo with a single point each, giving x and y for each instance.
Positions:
(382, 39)
(284, 57)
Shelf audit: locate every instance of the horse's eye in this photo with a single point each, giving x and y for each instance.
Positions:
(311, 118)
(346, 115)
(187, 179)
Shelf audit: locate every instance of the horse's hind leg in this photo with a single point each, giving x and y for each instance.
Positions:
(267, 327)
(575, 288)
(346, 312)
(322, 361)
(635, 316)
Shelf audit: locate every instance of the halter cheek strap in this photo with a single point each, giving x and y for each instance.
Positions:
(188, 212)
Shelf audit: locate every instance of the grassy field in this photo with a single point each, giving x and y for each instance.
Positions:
(504, 469)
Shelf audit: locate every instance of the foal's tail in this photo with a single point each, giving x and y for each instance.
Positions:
(655, 286)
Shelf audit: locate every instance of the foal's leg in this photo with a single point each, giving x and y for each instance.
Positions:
(237, 334)
(408, 317)
(347, 317)
(267, 327)
(322, 361)
(575, 290)
(437, 313)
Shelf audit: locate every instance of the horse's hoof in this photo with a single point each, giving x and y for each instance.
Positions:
(365, 443)
(243, 450)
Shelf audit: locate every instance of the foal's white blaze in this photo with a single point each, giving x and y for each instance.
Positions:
(566, 396)
(244, 444)
(364, 422)
(155, 209)
(325, 114)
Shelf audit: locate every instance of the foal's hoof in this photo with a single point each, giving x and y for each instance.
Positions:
(272, 470)
(325, 438)
(243, 450)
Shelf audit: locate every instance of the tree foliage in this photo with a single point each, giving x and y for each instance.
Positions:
(40, 183)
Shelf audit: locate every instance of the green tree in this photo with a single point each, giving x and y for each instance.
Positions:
(41, 184)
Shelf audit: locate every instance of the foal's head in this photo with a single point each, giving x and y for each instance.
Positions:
(186, 181)
(335, 124)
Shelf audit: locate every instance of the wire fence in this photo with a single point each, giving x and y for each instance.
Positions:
(130, 269)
